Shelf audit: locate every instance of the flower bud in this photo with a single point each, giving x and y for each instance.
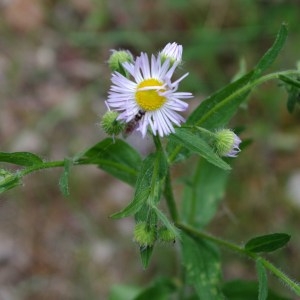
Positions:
(227, 143)
(116, 60)
(144, 234)
(110, 124)
(166, 235)
(173, 52)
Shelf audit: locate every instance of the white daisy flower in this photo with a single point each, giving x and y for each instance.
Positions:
(150, 95)
(173, 52)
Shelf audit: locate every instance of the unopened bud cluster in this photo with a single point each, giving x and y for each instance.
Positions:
(146, 234)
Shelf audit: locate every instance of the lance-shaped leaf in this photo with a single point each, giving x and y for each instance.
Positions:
(269, 57)
(219, 108)
(115, 157)
(267, 243)
(146, 254)
(196, 144)
(20, 158)
(293, 88)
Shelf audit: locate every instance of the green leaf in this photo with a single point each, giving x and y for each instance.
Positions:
(293, 99)
(196, 144)
(123, 292)
(267, 243)
(203, 270)
(270, 56)
(213, 113)
(115, 157)
(293, 89)
(20, 158)
(262, 281)
(146, 254)
(218, 109)
(246, 290)
(203, 193)
(148, 184)
(289, 81)
(64, 179)
(158, 290)
(8, 180)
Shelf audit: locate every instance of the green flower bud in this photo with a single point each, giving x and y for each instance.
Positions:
(166, 235)
(144, 234)
(227, 143)
(116, 60)
(110, 124)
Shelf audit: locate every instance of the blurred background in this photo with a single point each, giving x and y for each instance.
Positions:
(53, 82)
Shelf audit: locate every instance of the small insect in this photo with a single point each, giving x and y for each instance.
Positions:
(132, 125)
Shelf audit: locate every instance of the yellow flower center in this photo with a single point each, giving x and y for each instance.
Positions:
(148, 94)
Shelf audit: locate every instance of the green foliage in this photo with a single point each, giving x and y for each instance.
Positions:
(123, 292)
(267, 243)
(196, 144)
(246, 290)
(203, 269)
(115, 157)
(160, 289)
(20, 158)
(202, 194)
(148, 185)
(269, 57)
(146, 254)
(262, 281)
(292, 86)
(216, 111)
(8, 180)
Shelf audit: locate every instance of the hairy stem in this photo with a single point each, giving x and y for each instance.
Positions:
(169, 196)
(168, 190)
(44, 165)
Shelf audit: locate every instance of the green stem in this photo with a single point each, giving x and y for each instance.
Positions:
(45, 165)
(291, 283)
(199, 235)
(157, 143)
(168, 191)
(169, 196)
